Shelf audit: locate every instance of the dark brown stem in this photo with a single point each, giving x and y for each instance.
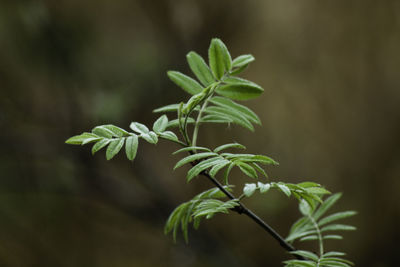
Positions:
(242, 209)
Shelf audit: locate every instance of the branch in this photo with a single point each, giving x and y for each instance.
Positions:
(242, 209)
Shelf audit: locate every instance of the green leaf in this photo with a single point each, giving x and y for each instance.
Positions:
(197, 169)
(79, 139)
(247, 169)
(333, 263)
(337, 237)
(242, 60)
(249, 189)
(227, 146)
(185, 82)
(284, 189)
(305, 208)
(317, 190)
(150, 137)
(102, 131)
(175, 123)
(131, 146)
(263, 187)
(216, 168)
(227, 171)
(117, 131)
(243, 110)
(194, 157)
(114, 147)
(219, 58)
(259, 169)
(334, 253)
(167, 108)
(100, 144)
(300, 263)
(240, 90)
(238, 70)
(309, 238)
(230, 115)
(336, 216)
(305, 254)
(191, 148)
(193, 102)
(338, 227)
(212, 193)
(308, 184)
(160, 124)
(200, 68)
(139, 128)
(168, 135)
(215, 119)
(324, 207)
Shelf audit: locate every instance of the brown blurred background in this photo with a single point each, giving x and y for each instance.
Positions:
(330, 114)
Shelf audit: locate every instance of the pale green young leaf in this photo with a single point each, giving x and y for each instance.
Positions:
(305, 208)
(263, 187)
(242, 60)
(249, 189)
(168, 135)
(194, 157)
(284, 189)
(243, 110)
(131, 146)
(336, 216)
(100, 144)
(160, 124)
(79, 139)
(139, 128)
(219, 58)
(150, 137)
(114, 147)
(200, 68)
(185, 82)
(227, 146)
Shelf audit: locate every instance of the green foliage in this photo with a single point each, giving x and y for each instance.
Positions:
(312, 226)
(205, 204)
(213, 99)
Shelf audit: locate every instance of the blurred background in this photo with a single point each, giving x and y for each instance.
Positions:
(330, 113)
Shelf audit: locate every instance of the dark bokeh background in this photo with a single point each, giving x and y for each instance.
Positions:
(330, 114)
